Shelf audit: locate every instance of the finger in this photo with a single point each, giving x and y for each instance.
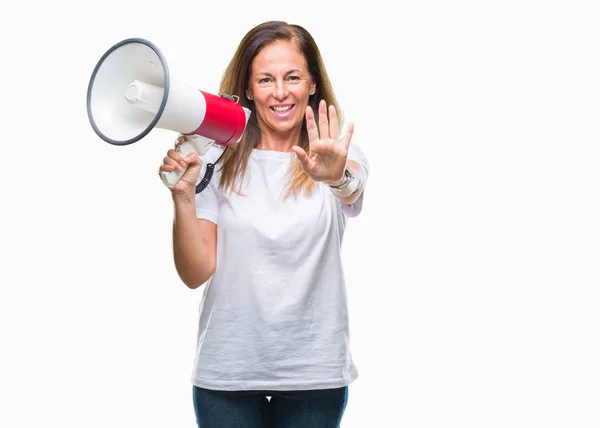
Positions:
(174, 163)
(323, 123)
(300, 153)
(169, 168)
(192, 159)
(311, 125)
(176, 156)
(193, 169)
(348, 136)
(333, 124)
(302, 156)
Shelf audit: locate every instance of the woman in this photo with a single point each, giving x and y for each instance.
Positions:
(267, 232)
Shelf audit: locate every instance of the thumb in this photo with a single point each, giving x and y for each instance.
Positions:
(194, 164)
(192, 159)
(302, 156)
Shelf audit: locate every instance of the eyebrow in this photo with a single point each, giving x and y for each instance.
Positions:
(295, 70)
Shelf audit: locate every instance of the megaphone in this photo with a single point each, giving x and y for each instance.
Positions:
(131, 92)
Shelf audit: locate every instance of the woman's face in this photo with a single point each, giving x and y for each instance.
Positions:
(280, 85)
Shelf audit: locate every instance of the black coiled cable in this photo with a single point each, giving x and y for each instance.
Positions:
(210, 168)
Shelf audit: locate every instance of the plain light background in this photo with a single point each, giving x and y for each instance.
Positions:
(473, 272)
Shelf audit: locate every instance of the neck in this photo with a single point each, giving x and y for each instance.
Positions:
(279, 142)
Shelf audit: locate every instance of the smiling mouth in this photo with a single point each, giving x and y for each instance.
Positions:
(282, 109)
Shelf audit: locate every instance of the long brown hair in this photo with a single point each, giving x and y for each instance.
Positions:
(236, 80)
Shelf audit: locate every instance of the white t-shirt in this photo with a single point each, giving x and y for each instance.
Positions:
(274, 315)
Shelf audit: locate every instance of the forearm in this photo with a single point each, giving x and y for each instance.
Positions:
(194, 256)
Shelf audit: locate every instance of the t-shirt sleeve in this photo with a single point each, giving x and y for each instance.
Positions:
(207, 201)
(356, 154)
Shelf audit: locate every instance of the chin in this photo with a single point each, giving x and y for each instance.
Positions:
(286, 127)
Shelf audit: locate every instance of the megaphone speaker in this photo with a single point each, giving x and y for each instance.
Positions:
(131, 92)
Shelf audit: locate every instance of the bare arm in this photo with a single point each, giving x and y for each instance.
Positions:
(194, 240)
(194, 244)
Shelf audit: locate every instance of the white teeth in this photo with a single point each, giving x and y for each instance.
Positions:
(282, 109)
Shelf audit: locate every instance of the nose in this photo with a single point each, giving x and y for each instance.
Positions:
(280, 90)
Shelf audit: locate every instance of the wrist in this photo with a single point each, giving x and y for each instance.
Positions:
(344, 181)
(184, 198)
(336, 183)
(352, 187)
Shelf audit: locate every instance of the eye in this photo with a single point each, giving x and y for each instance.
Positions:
(294, 78)
(264, 80)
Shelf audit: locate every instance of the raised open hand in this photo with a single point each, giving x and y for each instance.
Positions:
(326, 160)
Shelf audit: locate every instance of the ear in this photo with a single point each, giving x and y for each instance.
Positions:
(248, 95)
(313, 88)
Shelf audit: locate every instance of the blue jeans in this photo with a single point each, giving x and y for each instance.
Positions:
(319, 408)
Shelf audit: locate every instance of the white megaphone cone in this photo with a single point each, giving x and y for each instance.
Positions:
(130, 93)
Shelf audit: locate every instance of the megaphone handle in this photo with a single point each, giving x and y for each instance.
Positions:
(170, 178)
(193, 143)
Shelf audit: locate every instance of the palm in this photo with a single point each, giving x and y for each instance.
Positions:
(327, 155)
